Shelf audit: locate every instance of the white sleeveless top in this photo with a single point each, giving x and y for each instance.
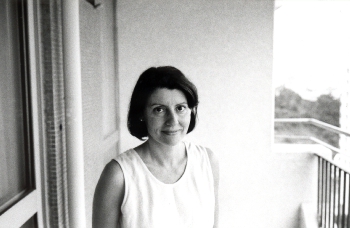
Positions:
(150, 203)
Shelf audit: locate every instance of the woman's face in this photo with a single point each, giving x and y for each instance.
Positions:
(167, 116)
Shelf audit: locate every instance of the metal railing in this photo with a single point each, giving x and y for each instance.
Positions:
(314, 122)
(333, 195)
(333, 200)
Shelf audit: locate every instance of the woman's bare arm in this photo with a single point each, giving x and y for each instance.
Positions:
(214, 162)
(108, 197)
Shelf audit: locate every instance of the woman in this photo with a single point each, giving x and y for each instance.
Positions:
(164, 182)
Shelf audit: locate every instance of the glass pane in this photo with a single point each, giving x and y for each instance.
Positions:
(31, 223)
(311, 69)
(12, 135)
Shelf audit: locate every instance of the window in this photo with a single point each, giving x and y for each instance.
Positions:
(311, 68)
(18, 195)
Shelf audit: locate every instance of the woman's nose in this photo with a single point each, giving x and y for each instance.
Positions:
(172, 119)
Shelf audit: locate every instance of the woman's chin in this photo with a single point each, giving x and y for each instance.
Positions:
(169, 140)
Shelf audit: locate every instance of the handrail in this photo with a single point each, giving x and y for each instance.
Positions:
(317, 123)
(337, 154)
(314, 122)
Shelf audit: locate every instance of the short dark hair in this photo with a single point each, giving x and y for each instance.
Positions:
(154, 78)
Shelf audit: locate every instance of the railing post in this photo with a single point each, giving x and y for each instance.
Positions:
(319, 191)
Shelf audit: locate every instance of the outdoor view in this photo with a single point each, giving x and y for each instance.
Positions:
(311, 67)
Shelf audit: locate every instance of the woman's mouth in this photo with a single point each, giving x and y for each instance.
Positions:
(172, 132)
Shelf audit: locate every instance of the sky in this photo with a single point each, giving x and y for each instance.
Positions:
(312, 46)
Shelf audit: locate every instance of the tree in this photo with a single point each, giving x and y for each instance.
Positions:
(289, 104)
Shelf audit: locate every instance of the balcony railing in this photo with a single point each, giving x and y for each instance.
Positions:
(333, 200)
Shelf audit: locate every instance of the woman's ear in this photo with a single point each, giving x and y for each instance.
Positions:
(194, 110)
(140, 116)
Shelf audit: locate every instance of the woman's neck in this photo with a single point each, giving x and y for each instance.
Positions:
(163, 155)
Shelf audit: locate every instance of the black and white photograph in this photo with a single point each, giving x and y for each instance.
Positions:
(175, 114)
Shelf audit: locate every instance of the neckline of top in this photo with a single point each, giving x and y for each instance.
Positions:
(184, 174)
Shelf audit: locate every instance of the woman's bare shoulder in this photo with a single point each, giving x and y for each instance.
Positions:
(214, 162)
(111, 179)
(212, 157)
(109, 195)
(112, 170)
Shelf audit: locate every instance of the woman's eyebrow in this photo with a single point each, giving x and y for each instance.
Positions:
(156, 104)
(160, 104)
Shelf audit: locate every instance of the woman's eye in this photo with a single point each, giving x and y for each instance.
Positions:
(158, 110)
(181, 108)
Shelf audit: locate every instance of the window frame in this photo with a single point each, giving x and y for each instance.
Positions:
(32, 203)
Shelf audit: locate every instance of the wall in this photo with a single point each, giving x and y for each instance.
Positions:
(225, 48)
(344, 141)
(99, 91)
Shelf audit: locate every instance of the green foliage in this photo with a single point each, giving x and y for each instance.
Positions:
(289, 104)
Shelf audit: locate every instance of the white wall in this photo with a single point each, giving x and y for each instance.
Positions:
(99, 93)
(344, 121)
(225, 48)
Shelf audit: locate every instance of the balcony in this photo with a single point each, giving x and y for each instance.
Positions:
(333, 198)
